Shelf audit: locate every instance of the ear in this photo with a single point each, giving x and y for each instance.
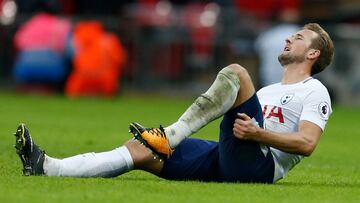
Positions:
(313, 54)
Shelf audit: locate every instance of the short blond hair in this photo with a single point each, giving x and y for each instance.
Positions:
(323, 43)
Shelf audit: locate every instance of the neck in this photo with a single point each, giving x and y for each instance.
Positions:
(294, 73)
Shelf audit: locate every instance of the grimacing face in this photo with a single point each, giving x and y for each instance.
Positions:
(297, 47)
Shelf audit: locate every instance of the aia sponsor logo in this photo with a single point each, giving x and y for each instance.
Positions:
(274, 112)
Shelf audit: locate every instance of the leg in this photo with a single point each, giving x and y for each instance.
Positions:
(218, 99)
(244, 161)
(193, 159)
(239, 160)
(224, 94)
(113, 163)
(143, 157)
(247, 88)
(104, 164)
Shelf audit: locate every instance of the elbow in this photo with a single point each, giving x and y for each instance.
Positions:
(308, 150)
(306, 153)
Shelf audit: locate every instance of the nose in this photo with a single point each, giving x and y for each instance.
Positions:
(289, 39)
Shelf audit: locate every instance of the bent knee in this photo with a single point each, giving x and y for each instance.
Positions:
(246, 84)
(238, 69)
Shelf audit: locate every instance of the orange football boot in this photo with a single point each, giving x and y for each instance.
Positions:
(153, 138)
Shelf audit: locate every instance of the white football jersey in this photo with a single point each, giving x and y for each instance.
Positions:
(284, 106)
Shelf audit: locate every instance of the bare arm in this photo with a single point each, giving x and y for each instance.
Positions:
(302, 142)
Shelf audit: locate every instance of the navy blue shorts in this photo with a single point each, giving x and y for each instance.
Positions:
(229, 160)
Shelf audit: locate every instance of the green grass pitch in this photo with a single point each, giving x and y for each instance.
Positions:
(66, 127)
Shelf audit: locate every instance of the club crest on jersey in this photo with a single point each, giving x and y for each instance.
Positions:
(286, 98)
(324, 110)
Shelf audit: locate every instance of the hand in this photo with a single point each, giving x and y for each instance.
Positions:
(244, 127)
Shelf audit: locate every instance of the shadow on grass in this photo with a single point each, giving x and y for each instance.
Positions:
(321, 184)
(335, 183)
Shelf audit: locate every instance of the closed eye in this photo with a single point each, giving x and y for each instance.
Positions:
(299, 36)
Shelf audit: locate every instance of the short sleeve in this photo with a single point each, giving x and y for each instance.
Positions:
(317, 107)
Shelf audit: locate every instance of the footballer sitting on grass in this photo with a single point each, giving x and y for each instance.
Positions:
(262, 135)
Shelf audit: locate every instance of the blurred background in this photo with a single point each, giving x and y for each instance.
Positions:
(110, 48)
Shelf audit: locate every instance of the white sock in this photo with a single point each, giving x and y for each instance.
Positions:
(177, 132)
(104, 164)
(216, 101)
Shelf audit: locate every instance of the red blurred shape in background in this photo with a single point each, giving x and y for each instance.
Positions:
(99, 57)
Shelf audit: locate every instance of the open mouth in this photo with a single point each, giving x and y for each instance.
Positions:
(287, 48)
